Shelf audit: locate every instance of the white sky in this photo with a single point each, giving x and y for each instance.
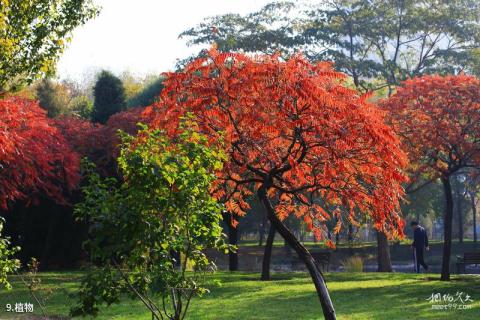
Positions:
(141, 36)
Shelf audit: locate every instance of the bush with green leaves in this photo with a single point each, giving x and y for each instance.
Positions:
(146, 231)
(8, 264)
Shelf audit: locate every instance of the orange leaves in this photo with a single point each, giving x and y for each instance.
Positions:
(235, 207)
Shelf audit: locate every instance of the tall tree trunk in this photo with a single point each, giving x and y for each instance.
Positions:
(474, 212)
(459, 214)
(267, 255)
(447, 229)
(303, 254)
(383, 253)
(233, 240)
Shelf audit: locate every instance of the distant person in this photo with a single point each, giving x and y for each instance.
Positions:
(420, 242)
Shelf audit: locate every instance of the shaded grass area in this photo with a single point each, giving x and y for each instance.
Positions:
(288, 296)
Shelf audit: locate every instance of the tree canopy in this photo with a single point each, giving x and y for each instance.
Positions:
(33, 33)
(295, 123)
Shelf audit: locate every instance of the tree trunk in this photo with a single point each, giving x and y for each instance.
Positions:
(447, 229)
(233, 240)
(350, 233)
(263, 225)
(474, 212)
(267, 255)
(303, 254)
(459, 214)
(383, 253)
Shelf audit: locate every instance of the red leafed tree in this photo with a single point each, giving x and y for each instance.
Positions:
(34, 156)
(438, 119)
(308, 145)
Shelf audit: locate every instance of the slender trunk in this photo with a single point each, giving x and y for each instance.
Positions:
(303, 254)
(267, 255)
(262, 230)
(459, 214)
(350, 233)
(447, 229)
(233, 240)
(383, 253)
(474, 213)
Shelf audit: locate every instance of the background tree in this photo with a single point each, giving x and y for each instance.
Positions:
(109, 97)
(148, 95)
(438, 119)
(132, 85)
(52, 97)
(156, 224)
(379, 43)
(33, 34)
(81, 106)
(294, 133)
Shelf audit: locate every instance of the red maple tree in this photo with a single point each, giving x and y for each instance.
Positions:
(306, 144)
(35, 159)
(438, 120)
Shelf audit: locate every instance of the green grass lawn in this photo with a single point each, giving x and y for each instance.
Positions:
(289, 296)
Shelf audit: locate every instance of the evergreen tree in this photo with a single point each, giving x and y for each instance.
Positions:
(109, 97)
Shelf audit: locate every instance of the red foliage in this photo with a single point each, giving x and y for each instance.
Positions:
(99, 143)
(34, 156)
(293, 128)
(438, 119)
